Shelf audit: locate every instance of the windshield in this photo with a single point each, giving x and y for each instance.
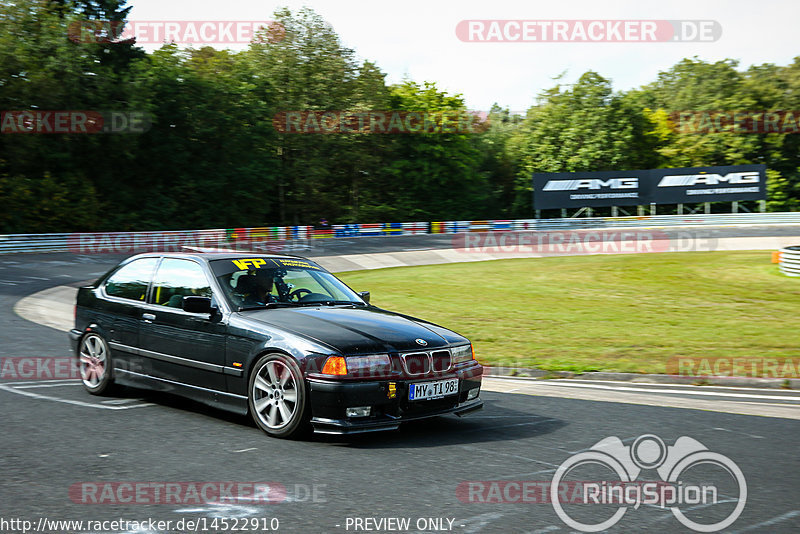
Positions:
(259, 282)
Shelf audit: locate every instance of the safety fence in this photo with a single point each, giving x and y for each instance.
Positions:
(500, 225)
(296, 238)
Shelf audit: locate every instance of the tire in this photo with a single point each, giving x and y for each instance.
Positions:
(277, 397)
(94, 362)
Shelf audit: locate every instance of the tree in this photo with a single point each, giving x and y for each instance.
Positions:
(308, 69)
(583, 127)
(432, 176)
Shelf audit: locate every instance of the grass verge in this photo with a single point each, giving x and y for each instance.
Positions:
(628, 313)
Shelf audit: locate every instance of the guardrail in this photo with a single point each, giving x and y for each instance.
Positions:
(655, 221)
(294, 238)
(789, 261)
(266, 239)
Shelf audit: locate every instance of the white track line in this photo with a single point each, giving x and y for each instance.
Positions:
(656, 384)
(69, 401)
(29, 382)
(669, 391)
(32, 386)
(769, 522)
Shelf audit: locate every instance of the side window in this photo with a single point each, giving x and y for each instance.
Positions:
(131, 281)
(176, 279)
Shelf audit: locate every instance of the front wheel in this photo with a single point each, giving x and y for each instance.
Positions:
(277, 396)
(94, 359)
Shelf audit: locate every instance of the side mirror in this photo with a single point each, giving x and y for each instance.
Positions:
(196, 304)
(364, 296)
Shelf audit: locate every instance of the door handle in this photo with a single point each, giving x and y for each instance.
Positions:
(149, 317)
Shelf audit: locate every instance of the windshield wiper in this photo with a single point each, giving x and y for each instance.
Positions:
(332, 303)
(268, 305)
(282, 304)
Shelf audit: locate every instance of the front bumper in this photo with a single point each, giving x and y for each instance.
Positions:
(330, 398)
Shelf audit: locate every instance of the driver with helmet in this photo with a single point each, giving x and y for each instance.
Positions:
(264, 285)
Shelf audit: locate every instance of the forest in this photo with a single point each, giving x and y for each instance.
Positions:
(210, 153)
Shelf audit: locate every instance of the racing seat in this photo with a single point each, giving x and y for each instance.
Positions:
(247, 289)
(175, 301)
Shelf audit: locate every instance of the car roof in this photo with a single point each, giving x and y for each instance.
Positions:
(210, 256)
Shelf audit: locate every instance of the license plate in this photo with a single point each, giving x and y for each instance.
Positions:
(433, 390)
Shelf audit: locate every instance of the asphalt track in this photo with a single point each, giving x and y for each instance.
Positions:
(54, 436)
(707, 238)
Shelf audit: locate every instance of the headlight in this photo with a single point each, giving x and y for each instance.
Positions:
(371, 365)
(462, 354)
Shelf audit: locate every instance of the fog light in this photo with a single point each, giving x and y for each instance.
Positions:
(359, 411)
(473, 393)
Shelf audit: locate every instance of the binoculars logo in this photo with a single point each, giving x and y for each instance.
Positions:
(648, 452)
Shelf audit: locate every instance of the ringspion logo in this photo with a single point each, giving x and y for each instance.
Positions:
(676, 491)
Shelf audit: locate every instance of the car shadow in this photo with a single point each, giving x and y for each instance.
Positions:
(173, 400)
(495, 422)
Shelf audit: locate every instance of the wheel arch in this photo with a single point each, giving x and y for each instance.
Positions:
(264, 352)
(260, 354)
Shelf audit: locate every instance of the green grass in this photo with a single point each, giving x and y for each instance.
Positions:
(627, 313)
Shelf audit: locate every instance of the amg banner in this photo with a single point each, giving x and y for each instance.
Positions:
(659, 186)
(590, 189)
(709, 184)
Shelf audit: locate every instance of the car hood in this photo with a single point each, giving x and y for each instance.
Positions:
(357, 330)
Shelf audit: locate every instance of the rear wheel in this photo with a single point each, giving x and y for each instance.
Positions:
(277, 396)
(94, 359)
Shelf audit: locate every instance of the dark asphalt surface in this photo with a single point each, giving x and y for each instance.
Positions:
(48, 445)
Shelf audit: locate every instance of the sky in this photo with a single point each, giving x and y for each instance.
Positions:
(417, 39)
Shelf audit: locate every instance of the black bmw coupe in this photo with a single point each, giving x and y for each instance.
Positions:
(275, 336)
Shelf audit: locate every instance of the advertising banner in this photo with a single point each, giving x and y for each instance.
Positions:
(590, 189)
(641, 187)
(709, 184)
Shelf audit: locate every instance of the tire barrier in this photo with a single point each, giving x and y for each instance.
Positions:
(789, 260)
